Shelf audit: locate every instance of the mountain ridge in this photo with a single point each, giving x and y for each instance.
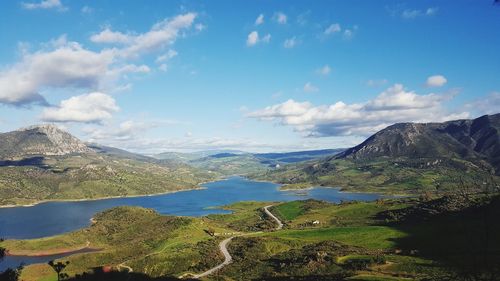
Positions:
(477, 140)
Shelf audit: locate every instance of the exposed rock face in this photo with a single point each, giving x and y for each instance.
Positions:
(39, 140)
(477, 139)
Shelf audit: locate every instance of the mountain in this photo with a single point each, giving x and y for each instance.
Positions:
(408, 158)
(476, 140)
(231, 162)
(39, 140)
(298, 156)
(42, 162)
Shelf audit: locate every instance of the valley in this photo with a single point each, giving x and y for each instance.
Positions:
(351, 241)
(232, 228)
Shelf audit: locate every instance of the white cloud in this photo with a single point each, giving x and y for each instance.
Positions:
(88, 108)
(259, 20)
(333, 28)
(489, 104)
(348, 34)
(252, 38)
(167, 56)
(310, 88)
(436, 81)
(325, 70)
(290, 43)
(110, 37)
(162, 34)
(67, 64)
(414, 13)
(431, 11)
(266, 38)
(200, 27)
(87, 10)
(391, 106)
(280, 17)
(45, 4)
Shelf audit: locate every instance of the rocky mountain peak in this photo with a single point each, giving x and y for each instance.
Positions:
(45, 139)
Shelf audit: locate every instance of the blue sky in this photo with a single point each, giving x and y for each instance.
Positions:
(153, 76)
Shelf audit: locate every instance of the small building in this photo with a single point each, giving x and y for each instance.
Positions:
(316, 222)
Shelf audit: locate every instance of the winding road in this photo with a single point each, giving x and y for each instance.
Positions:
(223, 246)
(227, 259)
(280, 224)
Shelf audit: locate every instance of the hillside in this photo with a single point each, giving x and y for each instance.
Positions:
(45, 163)
(230, 162)
(408, 158)
(449, 238)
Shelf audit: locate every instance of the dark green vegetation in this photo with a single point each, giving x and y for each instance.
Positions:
(45, 163)
(408, 158)
(455, 237)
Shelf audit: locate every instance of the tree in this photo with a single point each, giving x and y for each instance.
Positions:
(2, 251)
(58, 268)
(9, 274)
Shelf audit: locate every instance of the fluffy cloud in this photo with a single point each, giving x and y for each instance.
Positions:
(280, 17)
(333, 28)
(88, 108)
(391, 106)
(310, 88)
(253, 38)
(110, 37)
(45, 4)
(162, 34)
(436, 81)
(325, 70)
(290, 43)
(66, 64)
(259, 20)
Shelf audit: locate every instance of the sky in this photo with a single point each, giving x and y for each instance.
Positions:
(261, 75)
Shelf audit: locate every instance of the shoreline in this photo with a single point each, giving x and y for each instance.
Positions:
(283, 187)
(82, 250)
(198, 187)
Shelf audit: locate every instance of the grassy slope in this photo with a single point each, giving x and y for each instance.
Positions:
(92, 176)
(353, 240)
(400, 176)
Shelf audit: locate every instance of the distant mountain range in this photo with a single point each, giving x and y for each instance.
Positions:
(231, 162)
(45, 163)
(409, 157)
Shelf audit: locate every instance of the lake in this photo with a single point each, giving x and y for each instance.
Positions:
(51, 218)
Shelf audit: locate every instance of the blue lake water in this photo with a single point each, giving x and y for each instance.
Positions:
(51, 218)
